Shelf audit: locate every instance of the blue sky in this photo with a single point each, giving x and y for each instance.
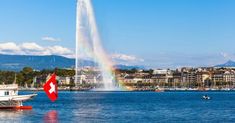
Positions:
(154, 33)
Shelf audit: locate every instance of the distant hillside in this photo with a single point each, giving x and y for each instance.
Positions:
(229, 63)
(126, 67)
(17, 62)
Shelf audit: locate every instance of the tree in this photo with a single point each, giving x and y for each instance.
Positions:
(151, 71)
(64, 72)
(20, 79)
(28, 75)
(7, 77)
(27, 70)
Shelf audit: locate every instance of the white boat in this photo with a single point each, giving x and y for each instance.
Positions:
(205, 97)
(9, 98)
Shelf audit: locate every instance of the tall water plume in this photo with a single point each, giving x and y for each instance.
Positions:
(88, 43)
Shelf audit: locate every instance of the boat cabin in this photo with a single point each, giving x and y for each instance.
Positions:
(9, 90)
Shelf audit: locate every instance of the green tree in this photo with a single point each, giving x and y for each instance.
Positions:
(28, 75)
(27, 70)
(7, 77)
(20, 79)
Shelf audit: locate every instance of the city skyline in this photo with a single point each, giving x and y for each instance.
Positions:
(160, 34)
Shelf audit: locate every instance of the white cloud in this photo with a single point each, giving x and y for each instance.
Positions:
(125, 57)
(9, 47)
(52, 39)
(60, 50)
(32, 48)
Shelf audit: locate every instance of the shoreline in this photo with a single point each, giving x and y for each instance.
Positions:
(137, 90)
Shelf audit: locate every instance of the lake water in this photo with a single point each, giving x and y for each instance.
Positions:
(119, 107)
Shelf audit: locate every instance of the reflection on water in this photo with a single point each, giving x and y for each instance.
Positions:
(10, 113)
(91, 111)
(51, 117)
(13, 115)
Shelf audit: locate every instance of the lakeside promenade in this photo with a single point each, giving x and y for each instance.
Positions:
(136, 89)
(207, 78)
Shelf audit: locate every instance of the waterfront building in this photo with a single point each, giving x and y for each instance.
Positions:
(176, 79)
(81, 79)
(90, 79)
(217, 78)
(63, 80)
(160, 71)
(184, 79)
(188, 79)
(147, 79)
(202, 79)
(159, 79)
(128, 79)
(229, 78)
(169, 77)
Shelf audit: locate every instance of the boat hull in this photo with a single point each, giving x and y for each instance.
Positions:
(15, 102)
(17, 97)
(17, 107)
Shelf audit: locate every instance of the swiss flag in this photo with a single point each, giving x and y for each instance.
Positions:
(50, 87)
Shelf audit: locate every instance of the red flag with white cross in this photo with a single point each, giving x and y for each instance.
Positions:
(50, 87)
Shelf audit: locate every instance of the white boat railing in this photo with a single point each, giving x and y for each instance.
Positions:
(9, 87)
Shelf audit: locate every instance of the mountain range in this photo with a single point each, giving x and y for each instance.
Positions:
(229, 63)
(17, 62)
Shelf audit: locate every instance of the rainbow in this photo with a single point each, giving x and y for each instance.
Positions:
(88, 44)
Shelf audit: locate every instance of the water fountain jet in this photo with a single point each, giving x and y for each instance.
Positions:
(88, 44)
